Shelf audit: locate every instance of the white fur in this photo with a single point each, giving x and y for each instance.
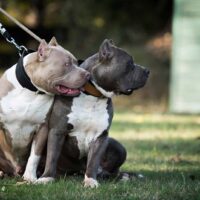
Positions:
(89, 118)
(11, 77)
(31, 166)
(1, 174)
(104, 92)
(11, 74)
(44, 180)
(23, 111)
(90, 182)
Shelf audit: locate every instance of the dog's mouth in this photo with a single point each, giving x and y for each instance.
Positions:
(68, 91)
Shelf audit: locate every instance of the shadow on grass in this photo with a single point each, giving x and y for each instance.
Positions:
(163, 146)
(121, 126)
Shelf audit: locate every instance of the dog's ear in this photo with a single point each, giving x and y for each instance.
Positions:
(53, 42)
(106, 50)
(43, 51)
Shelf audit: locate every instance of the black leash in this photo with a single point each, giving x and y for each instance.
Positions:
(11, 40)
(21, 74)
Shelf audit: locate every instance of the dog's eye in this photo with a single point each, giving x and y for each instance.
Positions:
(68, 62)
(130, 64)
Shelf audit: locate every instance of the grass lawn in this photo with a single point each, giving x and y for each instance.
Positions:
(164, 148)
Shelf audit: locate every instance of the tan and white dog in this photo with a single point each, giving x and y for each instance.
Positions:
(23, 112)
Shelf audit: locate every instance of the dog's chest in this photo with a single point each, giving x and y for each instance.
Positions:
(22, 113)
(89, 117)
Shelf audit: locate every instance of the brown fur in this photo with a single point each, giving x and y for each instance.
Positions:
(6, 152)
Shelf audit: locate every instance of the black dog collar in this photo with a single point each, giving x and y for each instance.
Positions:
(23, 78)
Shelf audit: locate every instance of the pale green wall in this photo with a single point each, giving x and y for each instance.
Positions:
(185, 70)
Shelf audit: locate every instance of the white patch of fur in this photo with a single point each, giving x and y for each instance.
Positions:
(1, 174)
(89, 118)
(44, 180)
(31, 166)
(90, 182)
(104, 92)
(11, 77)
(23, 111)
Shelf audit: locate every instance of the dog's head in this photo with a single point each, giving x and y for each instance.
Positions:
(114, 71)
(54, 70)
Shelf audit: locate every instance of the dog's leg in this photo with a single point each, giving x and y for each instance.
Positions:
(55, 142)
(113, 158)
(8, 154)
(96, 150)
(5, 166)
(37, 147)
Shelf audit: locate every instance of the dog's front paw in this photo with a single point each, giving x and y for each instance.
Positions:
(45, 180)
(29, 177)
(90, 182)
(1, 174)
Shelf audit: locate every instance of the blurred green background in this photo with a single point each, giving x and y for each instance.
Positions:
(142, 27)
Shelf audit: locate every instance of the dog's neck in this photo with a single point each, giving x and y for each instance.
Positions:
(22, 77)
(91, 88)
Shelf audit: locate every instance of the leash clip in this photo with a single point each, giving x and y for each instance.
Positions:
(11, 40)
(22, 50)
